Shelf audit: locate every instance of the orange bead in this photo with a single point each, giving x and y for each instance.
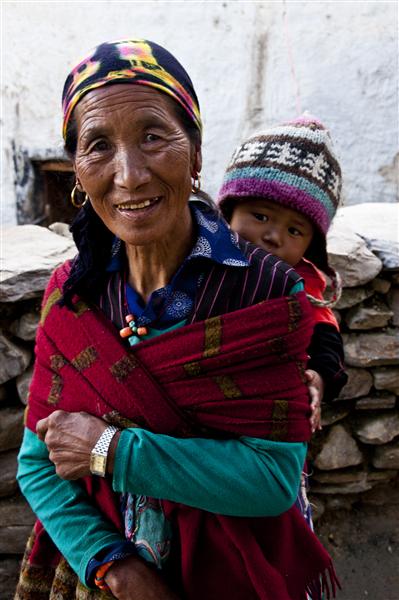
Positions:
(129, 318)
(125, 332)
(142, 331)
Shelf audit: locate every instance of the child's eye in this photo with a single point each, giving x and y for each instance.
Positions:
(294, 231)
(260, 217)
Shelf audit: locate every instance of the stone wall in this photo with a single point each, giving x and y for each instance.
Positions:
(355, 456)
(29, 254)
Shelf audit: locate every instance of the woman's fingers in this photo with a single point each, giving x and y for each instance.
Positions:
(70, 438)
(43, 425)
(41, 428)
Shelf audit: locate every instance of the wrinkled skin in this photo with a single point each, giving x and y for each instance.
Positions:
(131, 149)
(70, 438)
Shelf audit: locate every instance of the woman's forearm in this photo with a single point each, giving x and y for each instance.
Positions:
(243, 477)
(73, 523)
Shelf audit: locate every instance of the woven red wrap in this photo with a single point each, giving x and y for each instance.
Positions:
(237, 374)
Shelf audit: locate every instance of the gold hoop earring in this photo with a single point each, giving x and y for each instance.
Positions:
(73, 199)
(196, 185)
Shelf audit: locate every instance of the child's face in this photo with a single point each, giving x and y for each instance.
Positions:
(282, 231)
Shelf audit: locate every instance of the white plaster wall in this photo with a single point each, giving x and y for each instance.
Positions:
(346, 57)
(237, 54)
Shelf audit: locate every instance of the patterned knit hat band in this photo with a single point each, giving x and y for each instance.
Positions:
(130, 61)
(292, 197)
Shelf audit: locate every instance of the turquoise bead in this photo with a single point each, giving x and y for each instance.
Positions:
(133, 340)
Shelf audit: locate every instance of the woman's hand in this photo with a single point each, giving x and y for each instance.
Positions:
(70, 438)
(132, 578)
(315, 385)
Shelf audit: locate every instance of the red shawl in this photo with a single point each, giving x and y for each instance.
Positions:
(237, 374)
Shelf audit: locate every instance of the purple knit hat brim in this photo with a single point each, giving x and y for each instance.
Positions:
(284, 194)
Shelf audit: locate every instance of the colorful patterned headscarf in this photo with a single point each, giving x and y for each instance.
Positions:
(134, 61)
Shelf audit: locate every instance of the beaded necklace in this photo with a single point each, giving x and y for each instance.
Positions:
(132, 332)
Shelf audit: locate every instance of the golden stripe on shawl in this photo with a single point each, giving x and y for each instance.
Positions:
(229, 388)
(55, 389)
(122, 367)
(85, 358)
(213, 337)
(57, 361)
(193, 369)
(51, 300)
(79, 308)
(279, 418)
(294, 313)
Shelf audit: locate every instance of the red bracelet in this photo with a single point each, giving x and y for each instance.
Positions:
(100, 574)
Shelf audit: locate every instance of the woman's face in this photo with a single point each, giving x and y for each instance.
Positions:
(135, 161)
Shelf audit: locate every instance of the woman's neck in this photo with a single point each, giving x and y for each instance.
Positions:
(152, 266)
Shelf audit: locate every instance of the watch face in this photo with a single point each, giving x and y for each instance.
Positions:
(97, 464)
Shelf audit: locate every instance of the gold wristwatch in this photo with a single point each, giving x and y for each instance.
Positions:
(99, 454)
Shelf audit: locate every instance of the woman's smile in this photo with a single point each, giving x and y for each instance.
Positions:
(127, 206)
(139, 209)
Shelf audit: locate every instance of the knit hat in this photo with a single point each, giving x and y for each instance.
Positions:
(130, 61)
(294, 165)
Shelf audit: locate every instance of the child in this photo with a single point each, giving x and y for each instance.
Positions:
(281, 191)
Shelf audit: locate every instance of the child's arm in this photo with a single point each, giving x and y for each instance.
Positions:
(326, 353)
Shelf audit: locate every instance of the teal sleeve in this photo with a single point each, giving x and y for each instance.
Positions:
(298, 287)
(73, 523)
(245, 477)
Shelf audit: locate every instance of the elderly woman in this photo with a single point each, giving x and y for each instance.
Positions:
(168, 415)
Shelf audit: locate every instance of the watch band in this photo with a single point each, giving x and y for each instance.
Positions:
(99, 454)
